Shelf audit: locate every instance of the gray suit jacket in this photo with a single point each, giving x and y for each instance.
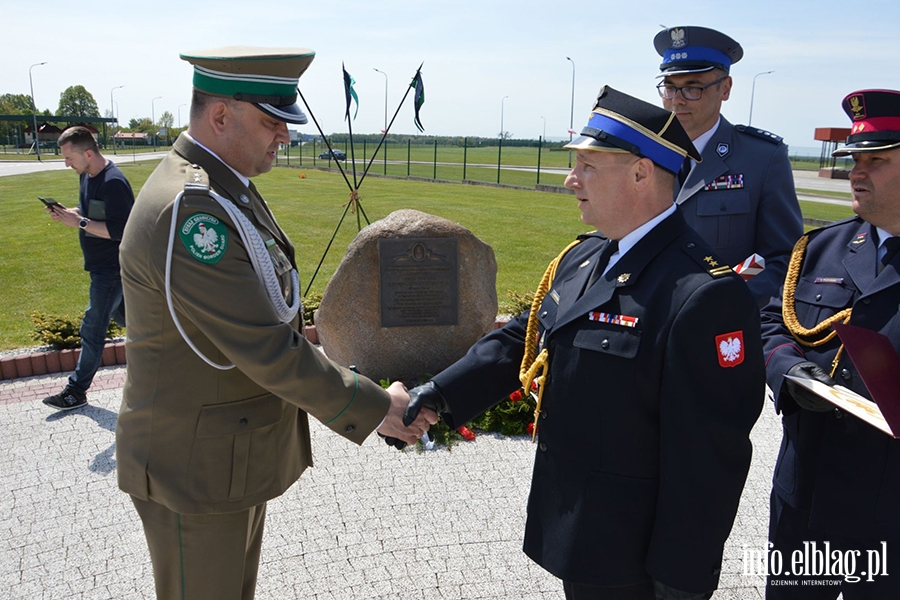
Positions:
(741, 200)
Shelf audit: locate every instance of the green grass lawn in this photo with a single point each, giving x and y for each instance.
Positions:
(41, 262)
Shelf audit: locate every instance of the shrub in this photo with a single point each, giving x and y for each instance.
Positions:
(61, 332)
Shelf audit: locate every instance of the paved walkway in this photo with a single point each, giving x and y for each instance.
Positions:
(367, 522)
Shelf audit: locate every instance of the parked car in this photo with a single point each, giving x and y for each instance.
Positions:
(338, 155)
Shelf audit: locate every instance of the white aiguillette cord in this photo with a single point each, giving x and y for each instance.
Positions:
(259, 257)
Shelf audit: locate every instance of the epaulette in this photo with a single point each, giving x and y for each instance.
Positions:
(707, 260)
(759, 133)
(196, 180)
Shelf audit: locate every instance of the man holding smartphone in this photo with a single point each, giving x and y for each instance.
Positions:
(104, 203)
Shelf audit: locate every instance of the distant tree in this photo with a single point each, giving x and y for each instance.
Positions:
(167, 120)
(144, 125)
(14, 104)
(77, 102)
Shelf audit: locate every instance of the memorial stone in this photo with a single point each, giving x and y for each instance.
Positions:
(413, 292)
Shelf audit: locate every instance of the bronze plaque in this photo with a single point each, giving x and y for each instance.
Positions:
(418, 281)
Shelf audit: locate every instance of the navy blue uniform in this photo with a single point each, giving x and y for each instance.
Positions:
(837, 478)
(741, 200)
(644, 443)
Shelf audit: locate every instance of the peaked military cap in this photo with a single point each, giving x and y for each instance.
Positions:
(876, 121)
(265, 77)
(622, 123)
(694, 50)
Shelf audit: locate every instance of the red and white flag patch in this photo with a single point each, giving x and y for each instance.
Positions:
(730, 348)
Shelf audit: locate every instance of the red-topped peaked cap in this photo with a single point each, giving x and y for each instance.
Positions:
(876, 121)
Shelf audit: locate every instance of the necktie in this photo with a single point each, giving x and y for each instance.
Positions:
(684, 170)
(892, 244)
(602, 261)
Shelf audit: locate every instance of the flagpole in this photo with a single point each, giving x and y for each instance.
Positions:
(322, 133)
(388, 128)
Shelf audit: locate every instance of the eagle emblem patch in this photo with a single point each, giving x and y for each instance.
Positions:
(730, 348)
(205, 237)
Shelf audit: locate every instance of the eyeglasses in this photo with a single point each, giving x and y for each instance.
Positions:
(689, 92)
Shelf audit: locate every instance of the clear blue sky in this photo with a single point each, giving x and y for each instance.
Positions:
(475, 53)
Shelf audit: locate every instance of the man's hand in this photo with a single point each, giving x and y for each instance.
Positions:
(395, 425)
(67, 216)
(426, 396)
(804, 397)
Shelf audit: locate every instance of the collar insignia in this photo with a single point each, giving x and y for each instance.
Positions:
(722, 149)
(624, 277)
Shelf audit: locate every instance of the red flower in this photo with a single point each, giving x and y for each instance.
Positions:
(530, 429)
(466, 433)
(534, 385)
(516, 396)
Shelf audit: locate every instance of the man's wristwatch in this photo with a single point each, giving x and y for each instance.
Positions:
(83, 223)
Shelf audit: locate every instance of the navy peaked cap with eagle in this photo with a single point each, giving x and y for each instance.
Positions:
(694, 50)
(876, 121)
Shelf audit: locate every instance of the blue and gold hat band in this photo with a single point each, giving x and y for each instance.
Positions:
(696, 54)
(636, 138)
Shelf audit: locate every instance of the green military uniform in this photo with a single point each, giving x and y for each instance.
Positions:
(196, 440)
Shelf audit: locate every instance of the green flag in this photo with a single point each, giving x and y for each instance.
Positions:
(418, 98)
(350, 93)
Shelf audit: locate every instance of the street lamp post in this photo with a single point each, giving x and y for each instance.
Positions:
(34, 134)
(544, 137)
(752, 92)
(500, 145)
(153, 119)
(385, 96)
(572, 109)
(112, 109)
(179, 114)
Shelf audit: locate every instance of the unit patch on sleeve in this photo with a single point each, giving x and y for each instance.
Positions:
(205, 237)
(730, 348)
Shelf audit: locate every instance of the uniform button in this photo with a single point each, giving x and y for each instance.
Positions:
(350, 429)
(691, 245)
(604, 344)
(544, 314)
(818, 296)
(722, 207)
(867, 301)
(544, 414)
(552, 344)
(838, 414)
(542, 446)
(845, 373)
(243, 421)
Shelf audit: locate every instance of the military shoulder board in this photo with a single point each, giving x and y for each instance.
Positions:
(760, 133)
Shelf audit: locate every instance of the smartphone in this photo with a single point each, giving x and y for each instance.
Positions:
(50, 202)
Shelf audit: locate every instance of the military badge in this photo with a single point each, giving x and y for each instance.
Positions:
(623, 278)
(730, 348)
(722, 149)
(859, 239)
(726, 182)
(678, 37)
(623, 320)
(205, 237)
(858, 107)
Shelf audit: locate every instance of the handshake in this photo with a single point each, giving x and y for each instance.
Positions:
(411, 414)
